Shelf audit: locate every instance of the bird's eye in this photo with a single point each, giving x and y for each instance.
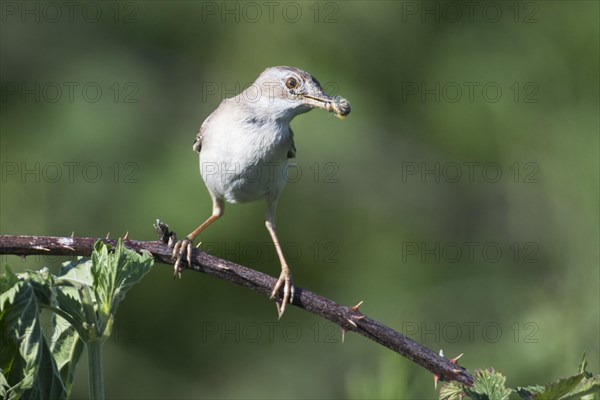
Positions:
(291, 83)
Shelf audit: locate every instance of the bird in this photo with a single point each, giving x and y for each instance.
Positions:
(245, 146)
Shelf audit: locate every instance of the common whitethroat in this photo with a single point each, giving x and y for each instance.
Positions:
(245, 146)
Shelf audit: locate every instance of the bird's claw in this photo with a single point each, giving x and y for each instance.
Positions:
(179, 249)
(285, 280)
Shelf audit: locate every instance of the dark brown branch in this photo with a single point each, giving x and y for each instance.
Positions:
(346, 317)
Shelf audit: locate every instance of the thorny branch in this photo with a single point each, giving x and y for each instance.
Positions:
(348, 318)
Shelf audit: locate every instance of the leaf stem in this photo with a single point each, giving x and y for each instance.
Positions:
(96, 378)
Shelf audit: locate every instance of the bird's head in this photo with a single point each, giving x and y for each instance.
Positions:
(284, 92)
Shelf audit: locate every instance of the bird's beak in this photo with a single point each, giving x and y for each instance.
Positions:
(338, 105)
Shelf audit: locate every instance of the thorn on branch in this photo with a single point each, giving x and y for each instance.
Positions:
(454, 360)
(355, 308)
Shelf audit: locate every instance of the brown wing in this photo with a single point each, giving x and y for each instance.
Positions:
(199, 136)
(292, 151)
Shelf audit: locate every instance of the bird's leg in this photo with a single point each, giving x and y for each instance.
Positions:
(285, 278)
(181, 247)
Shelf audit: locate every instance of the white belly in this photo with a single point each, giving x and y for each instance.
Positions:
(245, 166)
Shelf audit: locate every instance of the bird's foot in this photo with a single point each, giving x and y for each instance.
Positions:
(180, 248)
(285, 281)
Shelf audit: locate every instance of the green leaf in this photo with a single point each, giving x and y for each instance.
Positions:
(104, 271)
(135, 267)
(114, 274)
(452, 391)
(42, 283)
(72, 307)
(582, 369)
(527, 393)
(558, 389)
(84, 299)
(489, 384)
(8, 279)
(25, 358)
(76, 273)
(66, 347)
(589, 386)
(75, 277)
(3, 385)
(574, 387)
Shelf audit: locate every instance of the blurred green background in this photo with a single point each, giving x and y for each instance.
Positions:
(459, 199)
